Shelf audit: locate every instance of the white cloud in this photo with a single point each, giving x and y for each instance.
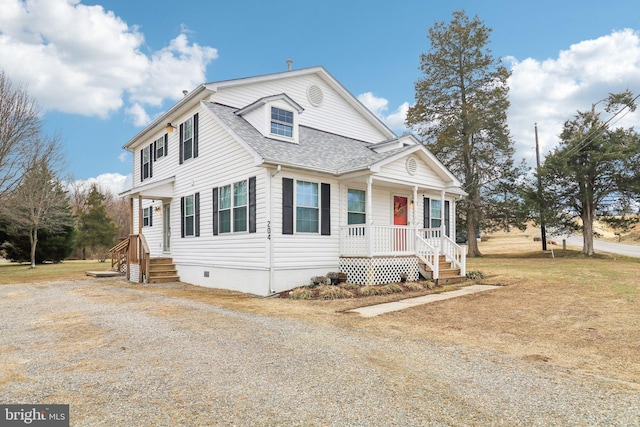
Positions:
(138, 115)
(85, 60)
(550, 92)
(123, 157)
(114, 183)
(380, 106)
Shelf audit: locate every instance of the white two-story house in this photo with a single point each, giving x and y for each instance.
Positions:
(257, 184)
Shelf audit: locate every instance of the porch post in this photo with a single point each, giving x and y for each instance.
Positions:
(140, 214)
(369, 215)
(414, 214)
(442, 226)
(130, 215)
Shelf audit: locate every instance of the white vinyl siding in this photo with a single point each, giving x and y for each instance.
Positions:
(335, 115)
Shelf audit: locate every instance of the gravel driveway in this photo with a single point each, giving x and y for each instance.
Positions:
(124, 356)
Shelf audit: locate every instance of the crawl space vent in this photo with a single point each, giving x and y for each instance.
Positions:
(315, 95)
(412, 166)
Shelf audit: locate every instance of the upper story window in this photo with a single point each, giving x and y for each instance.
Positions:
(189, 138)
(146, 163)
(356, 207)
(161, 147)
(281, 122)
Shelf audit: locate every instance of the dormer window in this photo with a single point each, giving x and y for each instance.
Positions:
(275, 117)
(281, 122)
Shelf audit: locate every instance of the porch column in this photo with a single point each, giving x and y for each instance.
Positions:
(442, 226)
(140, 214)
(370, 274)
(130, 215)
(414, 214)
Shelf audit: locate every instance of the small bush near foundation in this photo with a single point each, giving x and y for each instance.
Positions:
(475, 275)
(367, 291)
(301, 293)
(333, 292)
(414, 286)
(350, 286)
(393, 288)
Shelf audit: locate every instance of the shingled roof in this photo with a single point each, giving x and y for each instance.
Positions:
(316, 150)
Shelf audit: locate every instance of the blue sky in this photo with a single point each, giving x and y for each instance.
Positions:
(102, 69)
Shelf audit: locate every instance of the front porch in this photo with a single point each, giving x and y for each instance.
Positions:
(373, 255)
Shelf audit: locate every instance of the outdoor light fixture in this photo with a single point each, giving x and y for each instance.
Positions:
(170, 127)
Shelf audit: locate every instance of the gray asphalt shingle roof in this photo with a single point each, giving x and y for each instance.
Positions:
(315, 150)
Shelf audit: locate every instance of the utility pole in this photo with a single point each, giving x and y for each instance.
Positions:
(543, 232)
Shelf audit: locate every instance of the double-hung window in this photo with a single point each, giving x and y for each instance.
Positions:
(307, 207)
(189, 216)
(281, 122)
(146, 163)
(232, 207)
(436, 213)
(160, 145)
(146, 217)
(187, 139)
(356, 207)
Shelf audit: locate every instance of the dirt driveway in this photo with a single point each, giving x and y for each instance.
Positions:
(129, 355)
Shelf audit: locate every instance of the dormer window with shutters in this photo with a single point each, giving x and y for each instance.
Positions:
(274, 116)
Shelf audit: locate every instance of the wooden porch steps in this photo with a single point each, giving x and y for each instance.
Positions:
(447, 273)
(162, 270)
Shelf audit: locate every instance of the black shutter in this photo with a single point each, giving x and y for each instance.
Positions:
(325, 209)
(154, 148)
(181, 147)
(197, 209)
(252, 204)
(142, 165)
(166, 144)
(195, 135)
(182, 216)
(425, 214)
(150, 216)
(215, 211)
(151, 147)
(287, 206)
(447, 219)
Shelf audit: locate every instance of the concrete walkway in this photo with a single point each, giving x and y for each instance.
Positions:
(375, 310)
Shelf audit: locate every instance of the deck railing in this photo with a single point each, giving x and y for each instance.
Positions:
(427, 243)
(132, 250)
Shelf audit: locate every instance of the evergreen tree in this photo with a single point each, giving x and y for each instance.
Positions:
(96, 230)
(591, 166)
(460, 111)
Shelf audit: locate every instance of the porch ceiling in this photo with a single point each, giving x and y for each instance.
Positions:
(159, 190)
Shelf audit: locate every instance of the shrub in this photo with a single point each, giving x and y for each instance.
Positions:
(414, 286)
(475, 275)
(393, 288)
(301, 293)
(368, 290)
(333, 292)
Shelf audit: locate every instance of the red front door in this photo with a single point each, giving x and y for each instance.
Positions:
(400, 215)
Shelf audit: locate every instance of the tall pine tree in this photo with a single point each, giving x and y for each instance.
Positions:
(95, 230)
(461, 112)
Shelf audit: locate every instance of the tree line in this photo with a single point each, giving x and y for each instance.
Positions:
(44, 217)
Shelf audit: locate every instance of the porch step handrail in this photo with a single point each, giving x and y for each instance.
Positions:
(429, 254)
(455, 253)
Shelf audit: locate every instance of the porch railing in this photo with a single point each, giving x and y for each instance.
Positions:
(132, 250)
(427, 243)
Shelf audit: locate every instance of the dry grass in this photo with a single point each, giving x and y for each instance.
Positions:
(69, 270)
(573, 311)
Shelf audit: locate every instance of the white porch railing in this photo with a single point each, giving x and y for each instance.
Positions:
(426, 243)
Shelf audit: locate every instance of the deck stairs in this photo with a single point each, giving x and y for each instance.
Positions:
(448, 274)
(162, 270)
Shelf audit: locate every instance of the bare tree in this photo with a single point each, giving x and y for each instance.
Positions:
(19, 126)
(40, 202)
